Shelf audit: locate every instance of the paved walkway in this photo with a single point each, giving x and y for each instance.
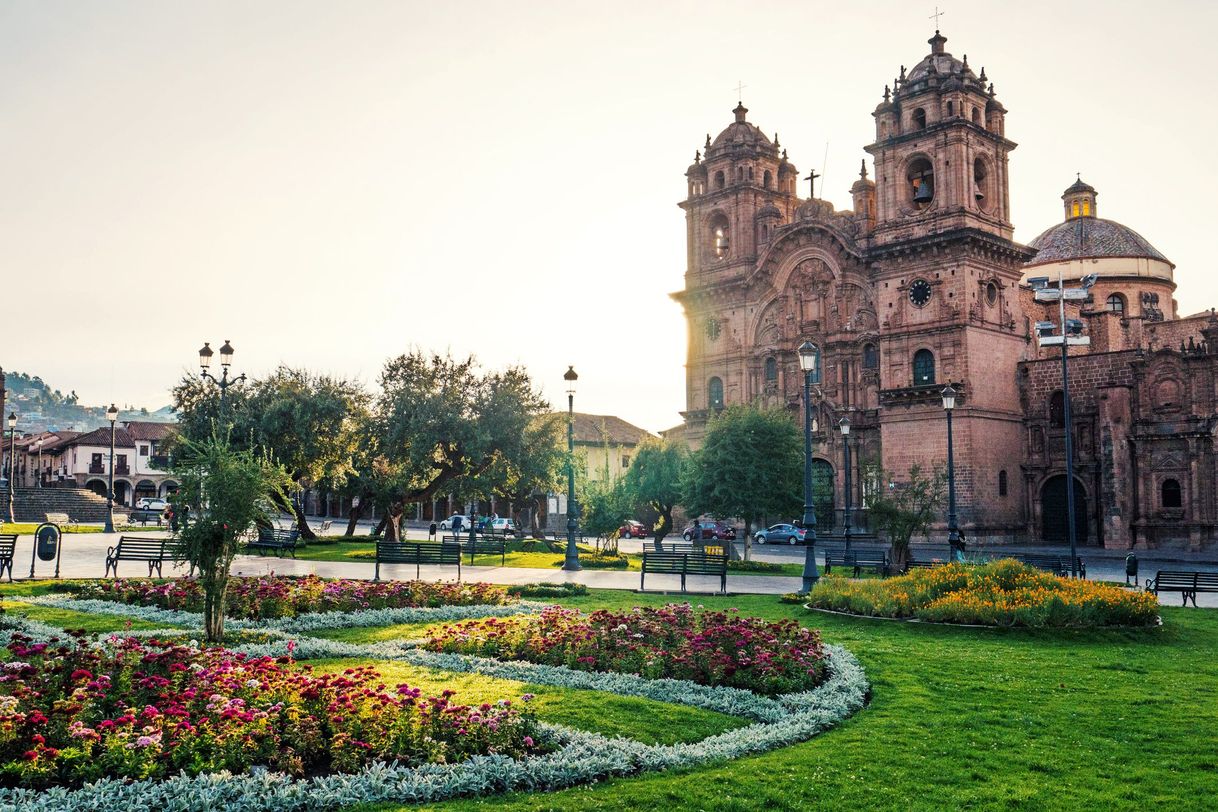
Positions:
(83, 556)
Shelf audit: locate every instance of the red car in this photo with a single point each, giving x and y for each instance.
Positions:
(711, 531)
(633, 530)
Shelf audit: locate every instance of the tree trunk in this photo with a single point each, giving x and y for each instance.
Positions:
(393, 522)
(355, 514)
(898, 557)
(380, 526)
(214, 589)
(302, 523)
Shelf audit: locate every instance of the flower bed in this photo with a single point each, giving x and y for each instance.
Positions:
(1002, 593)
(132, 709)
(675, 642)
(280, 596)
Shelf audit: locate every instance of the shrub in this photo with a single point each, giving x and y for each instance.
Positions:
(710, 648)
(1001, 593)
(547, 589)
(75, 713)
(283, 596)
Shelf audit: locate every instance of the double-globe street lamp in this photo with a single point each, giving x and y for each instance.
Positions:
(226, 360)
(809, 362)
(112, 416)
(844, 425)
(12, 460)
(571, 561)
(953, 530)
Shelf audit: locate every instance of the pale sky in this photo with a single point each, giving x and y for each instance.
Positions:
(328, 184)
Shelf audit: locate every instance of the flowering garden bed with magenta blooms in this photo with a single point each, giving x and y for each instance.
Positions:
(285, 596)
(673, 642)
(71, 713)
(1002, 593)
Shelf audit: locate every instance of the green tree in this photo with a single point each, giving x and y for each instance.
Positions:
(603, 507)
(654, 480)
(750, 465)
(902, 509)
(229, 491)
(527, 479)
(439, 419)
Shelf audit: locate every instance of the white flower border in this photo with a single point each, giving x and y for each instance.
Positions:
(582, 756)
(309, 622)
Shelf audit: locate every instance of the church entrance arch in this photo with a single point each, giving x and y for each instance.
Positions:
(1053, 512)
(822, 495)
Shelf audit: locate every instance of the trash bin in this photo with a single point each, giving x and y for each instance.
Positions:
(1131, 568)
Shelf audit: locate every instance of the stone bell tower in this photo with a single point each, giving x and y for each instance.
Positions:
(946, 273)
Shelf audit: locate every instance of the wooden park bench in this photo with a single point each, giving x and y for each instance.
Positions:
(8, 545)
(272, 540)
(1056, 564)
(417, 553)
(928, 559)
(1187, 583)
(153, 551)
(483, 545)
(857, 559)
(684, 564)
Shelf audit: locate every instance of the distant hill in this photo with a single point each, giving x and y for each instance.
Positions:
(39, 407)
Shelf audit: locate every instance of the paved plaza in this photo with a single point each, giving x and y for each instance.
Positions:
(83, 556)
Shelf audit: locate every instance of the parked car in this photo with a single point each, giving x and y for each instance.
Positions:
(447, 524)
(633, 530)
(779, 534)
(711, 531)
(151, 503)
(500, 526)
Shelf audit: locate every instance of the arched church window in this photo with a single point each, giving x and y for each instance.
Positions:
(720, 240)
(923, 368)
(1116, 303)
(1002, 483)
(871, 356)
(771, 371)
(976, 116)
(714, 393)
(951, 109)
(1169, 494)
(720, 182)
(767, 179)
(919, 119)
(1074, 209)
(981, 187)
(921, 178)
(1086, 208)
(1057, 409)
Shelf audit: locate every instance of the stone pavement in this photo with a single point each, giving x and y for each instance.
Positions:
(83, 556)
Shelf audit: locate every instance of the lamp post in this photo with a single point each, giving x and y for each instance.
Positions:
(226, 360)
(12, 460)
(953, 531)
(571, 561)
(844, 425)
(1071, 336)
(112, 416)
(809, 362)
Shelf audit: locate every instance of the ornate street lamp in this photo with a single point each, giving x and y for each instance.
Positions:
(953, 531)
(12, 460)
(226, 360)
(844, 425)
(571, 561)
(112, 416)
(809, 362)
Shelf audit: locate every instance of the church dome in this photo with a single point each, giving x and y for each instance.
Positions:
(1099, 239)
(740, 134)
(941, 65)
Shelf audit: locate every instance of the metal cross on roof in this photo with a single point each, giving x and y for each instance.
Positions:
(740, 91)
(936, 17)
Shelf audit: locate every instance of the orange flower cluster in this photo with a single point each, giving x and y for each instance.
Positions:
(1001, 593)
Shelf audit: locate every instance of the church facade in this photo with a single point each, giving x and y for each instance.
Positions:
(920, 284)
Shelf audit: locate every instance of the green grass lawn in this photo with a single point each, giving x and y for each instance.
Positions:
(28, 528)
(533, 555)
(959, 719)
(967, 719)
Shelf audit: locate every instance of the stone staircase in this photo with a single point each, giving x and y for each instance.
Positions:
(81, 505)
